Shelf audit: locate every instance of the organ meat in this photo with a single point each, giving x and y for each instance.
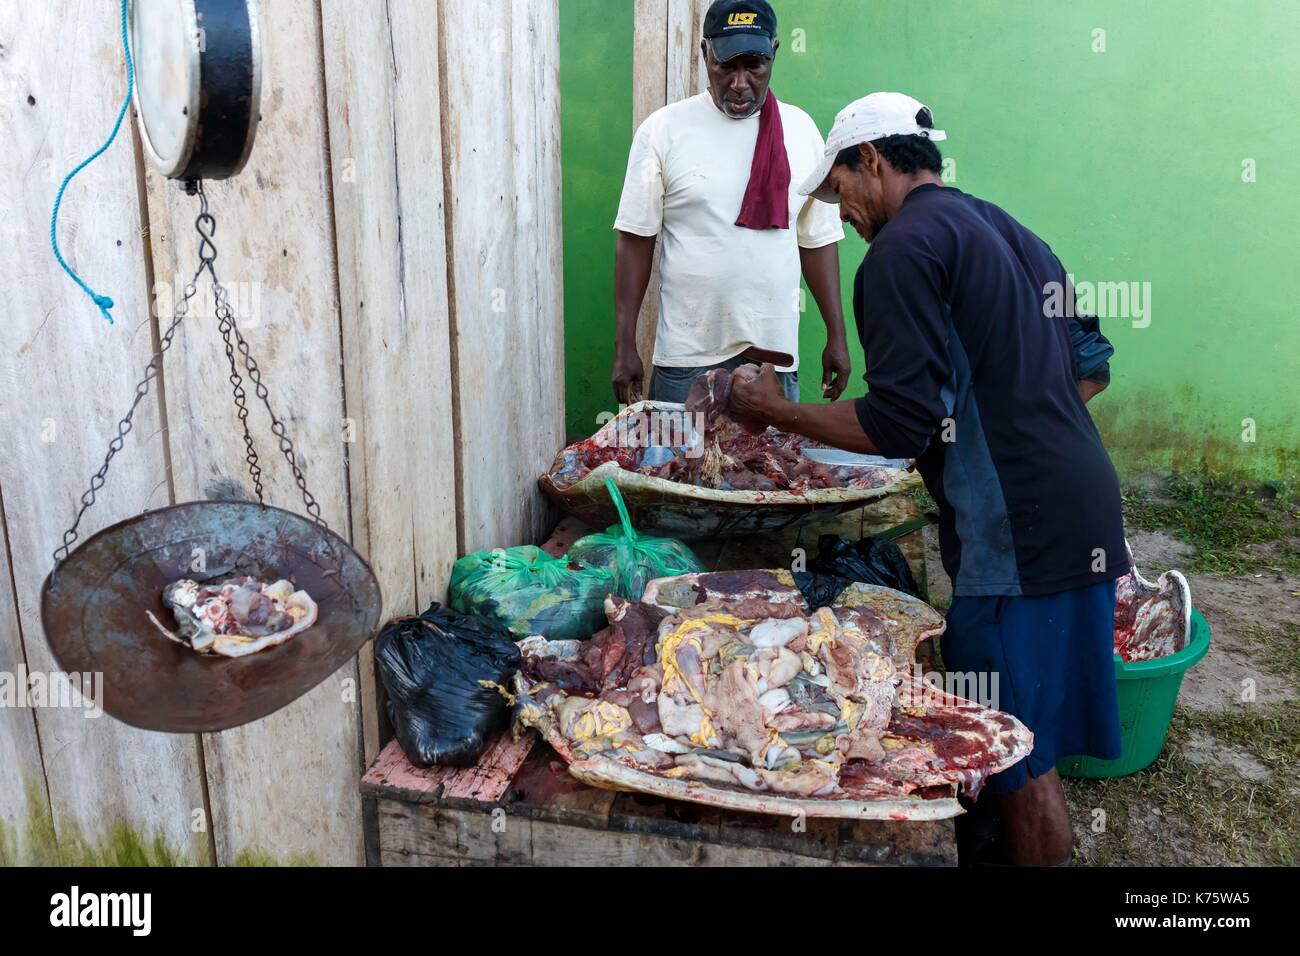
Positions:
(762, 697)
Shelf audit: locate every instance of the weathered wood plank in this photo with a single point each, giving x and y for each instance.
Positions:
(24, 803)
(885, 842)
(649, 58)
(649, 93)
(277, 257)
(418, 835)
(464, 837)
(381, 74)
(499, 150)
(438, 836)
(685, 66)
(66, 377)
(484, 784)
(488, 781)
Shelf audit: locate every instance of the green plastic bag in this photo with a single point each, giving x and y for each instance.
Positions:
(531, 592)
(633, 559)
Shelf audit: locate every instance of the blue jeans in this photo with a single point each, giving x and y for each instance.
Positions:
(669, 384)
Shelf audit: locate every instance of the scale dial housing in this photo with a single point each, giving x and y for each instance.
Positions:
(198, 84)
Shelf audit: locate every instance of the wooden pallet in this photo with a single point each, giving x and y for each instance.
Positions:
(519, 806)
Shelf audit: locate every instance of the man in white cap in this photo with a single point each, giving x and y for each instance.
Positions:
(711, 178)
(974, 373)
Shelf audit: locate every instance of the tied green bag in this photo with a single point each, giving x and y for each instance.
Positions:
(531, 592)
(634, 560)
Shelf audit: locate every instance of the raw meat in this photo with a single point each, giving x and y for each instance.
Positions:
(1151, 620)
(237, 617)
(713, 450)
(776, 701)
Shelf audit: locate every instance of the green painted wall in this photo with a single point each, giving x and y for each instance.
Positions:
(1129, 162)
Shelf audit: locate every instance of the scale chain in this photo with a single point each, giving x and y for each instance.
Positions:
(228, 327)
(226, 324)
(126, 424)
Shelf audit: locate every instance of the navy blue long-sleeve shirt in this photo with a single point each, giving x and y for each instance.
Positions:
(972, 372)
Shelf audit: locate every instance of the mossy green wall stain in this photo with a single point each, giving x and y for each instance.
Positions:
(41, 844)
(1128, 162)
(258, 857)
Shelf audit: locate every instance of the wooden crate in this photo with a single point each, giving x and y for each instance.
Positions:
(520, 807)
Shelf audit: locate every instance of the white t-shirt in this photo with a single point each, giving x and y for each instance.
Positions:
(723, 288)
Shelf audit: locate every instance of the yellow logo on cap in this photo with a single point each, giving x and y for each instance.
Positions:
(742, 19)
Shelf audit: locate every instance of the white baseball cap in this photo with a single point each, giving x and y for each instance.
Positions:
(873, 117)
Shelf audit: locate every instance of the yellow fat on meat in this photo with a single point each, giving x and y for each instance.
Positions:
(603, 720)
(851, 712)
(684, 633)
(824, 629)
(687, 632)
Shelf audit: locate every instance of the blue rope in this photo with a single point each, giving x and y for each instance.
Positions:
(103, 301)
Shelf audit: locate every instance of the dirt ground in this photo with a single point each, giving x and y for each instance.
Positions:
(1226, 787)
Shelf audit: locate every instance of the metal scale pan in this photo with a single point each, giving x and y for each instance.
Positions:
(198, 97)
(93, 609)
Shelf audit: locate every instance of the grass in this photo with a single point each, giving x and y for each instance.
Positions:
(923, 500)
(1279, 648)
(1237, 527)
(1177, 812)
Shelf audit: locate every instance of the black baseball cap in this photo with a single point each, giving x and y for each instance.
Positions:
(737, 27)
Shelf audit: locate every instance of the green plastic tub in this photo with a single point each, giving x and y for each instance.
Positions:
(1148, 691)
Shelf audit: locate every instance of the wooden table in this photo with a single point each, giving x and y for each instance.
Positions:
(519, 806)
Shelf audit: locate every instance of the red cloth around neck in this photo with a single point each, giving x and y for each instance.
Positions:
(767, 197)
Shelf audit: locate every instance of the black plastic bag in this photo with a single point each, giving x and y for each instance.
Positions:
(431, 666)
(819, 590)
(840, 562)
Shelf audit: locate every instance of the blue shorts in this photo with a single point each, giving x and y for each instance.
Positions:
(1053, 657)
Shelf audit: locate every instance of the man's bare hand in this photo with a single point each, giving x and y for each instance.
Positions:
(1088, 389)
(756, 396)
(835, 369)
(627, 376)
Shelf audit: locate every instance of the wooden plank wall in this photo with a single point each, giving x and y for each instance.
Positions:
(500, 135)
(66, 377)
(412, 349)
(392, 248)
(666, 67)
(283, 278)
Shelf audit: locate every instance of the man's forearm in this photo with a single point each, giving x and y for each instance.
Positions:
(821, 270)
(633, 264)
(835, 424)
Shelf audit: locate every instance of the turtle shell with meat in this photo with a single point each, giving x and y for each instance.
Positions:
(237, 617)
(750, 694)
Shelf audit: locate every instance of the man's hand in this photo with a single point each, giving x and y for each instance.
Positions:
(835, 368)
(756, 396)
(1088, 389)
(627, 376)
(821, 270)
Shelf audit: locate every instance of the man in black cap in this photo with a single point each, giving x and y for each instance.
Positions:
(711, 179)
